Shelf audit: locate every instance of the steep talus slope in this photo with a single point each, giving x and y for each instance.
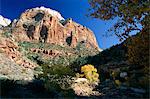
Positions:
(13, 65)
(11, 70)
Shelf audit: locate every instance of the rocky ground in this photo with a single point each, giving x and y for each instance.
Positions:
(11, 70)
(111, 90)
(105, 90)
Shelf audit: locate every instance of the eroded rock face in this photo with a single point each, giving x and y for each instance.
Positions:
(49, 53)
(42, 25)
(10, 49)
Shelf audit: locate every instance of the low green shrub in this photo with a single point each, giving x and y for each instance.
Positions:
(7, 34)
(58, 70)
(57, 79)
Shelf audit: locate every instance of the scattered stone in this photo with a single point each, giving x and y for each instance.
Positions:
(137, 90)
(83, 87)
(123, 74)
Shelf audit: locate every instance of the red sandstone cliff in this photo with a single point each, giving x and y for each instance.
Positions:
(41, 25)
(10, 48)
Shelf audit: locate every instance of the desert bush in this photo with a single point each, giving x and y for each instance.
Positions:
(7, 34)
(59, 86)
(58, 70)
(25, 45)
(37, 71)
(78, 62)
(57, 79)
(33, 56)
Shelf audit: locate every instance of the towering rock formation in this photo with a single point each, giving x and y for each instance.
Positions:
(46, 25)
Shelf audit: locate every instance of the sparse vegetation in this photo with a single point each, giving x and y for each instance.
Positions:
(7, 34)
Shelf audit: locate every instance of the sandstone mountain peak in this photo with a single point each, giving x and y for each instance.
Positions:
(49, 11)
(46, 25)
(4, 21)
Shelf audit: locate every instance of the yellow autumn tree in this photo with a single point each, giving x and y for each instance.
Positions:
(90, 72)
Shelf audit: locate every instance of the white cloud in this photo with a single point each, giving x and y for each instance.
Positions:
(4, 21)
(50, 11)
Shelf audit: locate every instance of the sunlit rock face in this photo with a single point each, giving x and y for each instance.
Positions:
(13, 64)
(46, 25)
(10, 49)
(4, 21)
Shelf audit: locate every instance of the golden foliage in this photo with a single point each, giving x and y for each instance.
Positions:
(117, 82)
(90, 73)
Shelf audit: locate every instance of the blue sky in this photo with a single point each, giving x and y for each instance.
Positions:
(75, 9)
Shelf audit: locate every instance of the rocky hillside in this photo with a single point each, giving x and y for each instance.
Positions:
(13, 64)
(42, 36)
(41, 44)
